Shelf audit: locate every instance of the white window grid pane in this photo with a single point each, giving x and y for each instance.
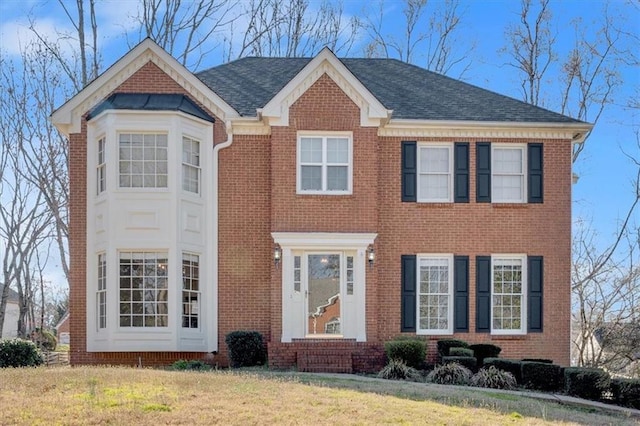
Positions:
(507, 296)
(143, 160)
(190, 290)
(433, 294)
(143, 289)
(338, 151)
(350, 275)
(324, 164)
(435, 173)
(297, 274)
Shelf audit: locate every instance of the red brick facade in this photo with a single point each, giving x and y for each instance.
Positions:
(257, 196)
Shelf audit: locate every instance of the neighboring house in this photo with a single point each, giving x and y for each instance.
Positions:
(205, 203)
(11, 315)
(63, 330)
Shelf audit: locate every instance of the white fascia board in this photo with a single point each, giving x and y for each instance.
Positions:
(67, 118)
(326, 62)
(496, 129)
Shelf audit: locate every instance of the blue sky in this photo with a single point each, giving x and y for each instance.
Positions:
(603, 192)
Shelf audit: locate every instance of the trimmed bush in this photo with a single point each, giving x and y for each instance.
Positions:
(588, 383)
(509, 365)
(19, 353)
(44, 339)
(450, 374)
(467, 361)
(542, 360)
(542, 376)
(246, 348)
(491, 377)
(193, 364)
(445, 344)
(411, 351)
(396, 369)
(460, 352)
(485, 350)
(626, 392)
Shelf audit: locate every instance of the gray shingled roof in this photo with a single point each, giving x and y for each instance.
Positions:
(150, 102)
(411, 92)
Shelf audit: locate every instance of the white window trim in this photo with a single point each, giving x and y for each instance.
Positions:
(101, 289)
(324, 136)
(426, 331)
(198, 306)
(523, 148)
(450, 173)
(523, 307)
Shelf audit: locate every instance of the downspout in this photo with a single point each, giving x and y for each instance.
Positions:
(213, 346)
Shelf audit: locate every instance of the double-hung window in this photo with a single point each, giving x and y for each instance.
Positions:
(101, 296)
(508, 290)
(143, 160)
(190, 165)
(101, 168)
(325, 164)
(435, 294)
(190, 290)
(435, 177)
(508, 173)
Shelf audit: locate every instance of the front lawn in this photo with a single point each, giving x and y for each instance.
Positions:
(110, 395)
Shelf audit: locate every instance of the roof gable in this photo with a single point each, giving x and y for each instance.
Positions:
(67, 118)
(371, 110)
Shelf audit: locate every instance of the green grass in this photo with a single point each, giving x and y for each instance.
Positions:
(110, 395)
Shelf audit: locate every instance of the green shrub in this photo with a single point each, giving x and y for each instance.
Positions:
(467, 361)
(411, 351)
(450, 374)
(484, 350)
(460, 352)
(193, 364)
(626, 392)
(19, 353)
(542, 360)
(589, 383)
(509, 365)
(396, 369)
(246, 348)
(445, 344)
(542, 376)
(44, 339)
(491, 377)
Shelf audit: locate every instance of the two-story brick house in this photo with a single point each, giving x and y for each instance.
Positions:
(330, 204)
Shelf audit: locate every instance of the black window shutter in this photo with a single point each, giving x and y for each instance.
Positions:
(408, 306)
(409, 171)
(535, 178)
(461, 170)
(483, 172)
(535, 274)
(483, 294)
(461, 293)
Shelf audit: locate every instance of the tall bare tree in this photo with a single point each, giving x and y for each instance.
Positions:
(291, 28)
(187, 30)
(532, 46)
(589, 71)
(429, 36)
